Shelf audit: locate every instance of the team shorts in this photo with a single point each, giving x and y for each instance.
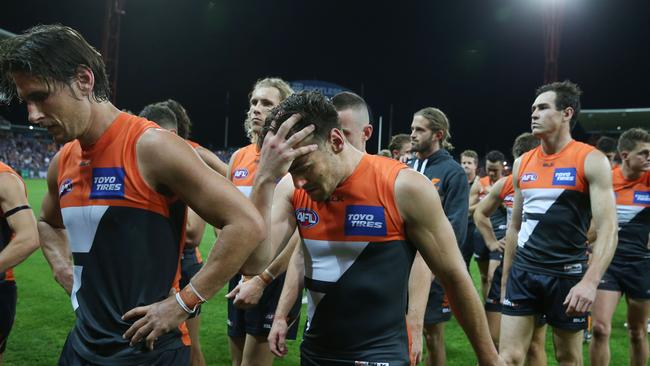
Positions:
(529, 293)
(378, 358)
(438, 309)
(8, 296)
(190, 265)
(493, 299)
(481, 250)
(172, 357)
(257, 321)
(631, 278)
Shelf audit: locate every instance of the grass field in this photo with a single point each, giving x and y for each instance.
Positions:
(44, 317)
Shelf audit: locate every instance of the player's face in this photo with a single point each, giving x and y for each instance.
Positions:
(545, 118)
(352, 129)
(263, 99)
(58, 108)
(469, 164)
(405, 150)
(639, 158)
(314, 174)
(422, 138)
(494, 170)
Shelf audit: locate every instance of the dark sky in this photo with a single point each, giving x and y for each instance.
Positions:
(479, 61)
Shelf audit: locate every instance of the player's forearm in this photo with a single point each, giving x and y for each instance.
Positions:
(484, 226)
(55, 247)
(508, 255)
(18, 249)
(468, 309)
(262, 198)
(293, 284)
(281, 262)
(603, 251)
(419, 287)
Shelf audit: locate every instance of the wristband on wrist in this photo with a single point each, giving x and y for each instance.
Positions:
(266, 277)
(190, 299)
(203, 299)
(182, 304)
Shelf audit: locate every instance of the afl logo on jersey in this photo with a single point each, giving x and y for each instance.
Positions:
(306, 217)
(65, 188)
(564, 177)
(642, 198)
(528, 177)
(240, 173)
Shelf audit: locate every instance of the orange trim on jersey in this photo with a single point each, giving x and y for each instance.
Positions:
(564, 170)
(358, 203)
(4, 168)
(244, 166)
(193, 144)
(507, 190)
(485, 187)
(116, 148)
(628, 191)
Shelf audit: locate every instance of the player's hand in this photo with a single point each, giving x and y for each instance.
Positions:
(416, 346)
(278, 337)
(498, 245)
(154, 320)
(278, 151)
(247, 294)
(580, 298)
(64, 277)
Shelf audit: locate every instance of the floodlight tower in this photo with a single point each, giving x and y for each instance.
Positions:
(111, 41)
(552, 30)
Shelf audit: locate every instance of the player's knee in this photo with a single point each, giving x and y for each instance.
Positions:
(638, 333)
(601, 330)
(512, 357)
(567, 356)
(536, 351)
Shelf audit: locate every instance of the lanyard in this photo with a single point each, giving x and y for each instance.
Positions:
(424, 165)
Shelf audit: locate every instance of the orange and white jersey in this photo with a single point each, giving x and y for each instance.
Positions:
(633, 212)
(485, 185)
(357, 264)
(5, 231)
(507, 196)
(556, 211)
(244, 167)
(126, 240)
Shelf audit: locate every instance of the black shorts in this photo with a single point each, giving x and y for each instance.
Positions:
(438, 309)
(481, 250)
(258, 320)
(310, 358)
(172, 357)
(530, 293)
(8, 296)
(631, 278)
(493, 299)
(190, 265)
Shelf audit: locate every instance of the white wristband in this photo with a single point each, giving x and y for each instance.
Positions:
(196, 292)
(182, 304)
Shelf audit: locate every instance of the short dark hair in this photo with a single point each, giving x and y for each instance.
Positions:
(606, 144)
(494, 156)
(470, 154)
(346, 100)
(398, 140)
(52, 53)
(524, 143)
(629, 139)
(567, 94)
(161, 114)
(183, 121)
(312, 106)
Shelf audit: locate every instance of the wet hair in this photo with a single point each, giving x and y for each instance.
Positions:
(437, 122)
(53, 54)
(631, 137)
(161, 114)
(495, 156)
(524, 143)
(606, 144)
(312, 106)
(270, 82)
(470, 154)
(567, 94)
(397, 141)
(183, 121)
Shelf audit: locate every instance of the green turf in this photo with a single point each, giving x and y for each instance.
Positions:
(44, 317)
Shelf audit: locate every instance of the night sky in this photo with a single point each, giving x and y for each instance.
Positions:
(478, 61)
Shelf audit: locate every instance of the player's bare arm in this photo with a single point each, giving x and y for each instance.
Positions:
(429, 230)
(52, 233)
(20, 219)
(603, 211)
(473, 195)
(180, 171)
(419, 288)
(513, 229)
(212, 160)
(482, 213)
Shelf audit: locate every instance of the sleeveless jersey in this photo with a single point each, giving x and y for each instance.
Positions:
(633, 211)
(126, 240)
(244, 166)
(357, 265)
(5, 231)
(499, 218)
(507, 196)
(556, 211)
(199, 258)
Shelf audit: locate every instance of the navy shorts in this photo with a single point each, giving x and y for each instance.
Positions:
(529, 293)
(258, 320)
(438, 309)
(172, 357)
(190, 265)
(481, 250)
(631, 278)
(493, 299)
(8, 296)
